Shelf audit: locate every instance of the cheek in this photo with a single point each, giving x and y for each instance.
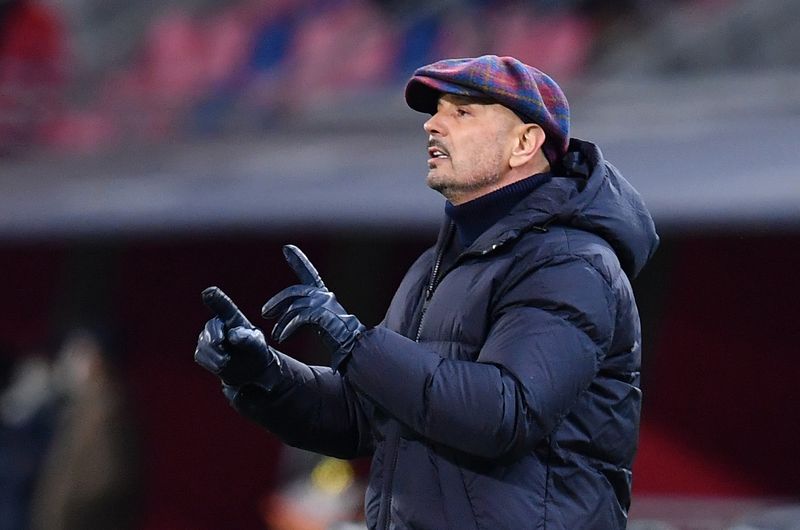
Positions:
(481, 155)
(468, 149)
(477, 150)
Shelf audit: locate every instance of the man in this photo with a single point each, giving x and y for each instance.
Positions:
(89, 477)
(501, 389)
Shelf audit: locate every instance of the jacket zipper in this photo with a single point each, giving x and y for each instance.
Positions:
(429, 290)
(396, 435)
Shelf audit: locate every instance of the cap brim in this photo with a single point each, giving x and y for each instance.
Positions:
(422, 93)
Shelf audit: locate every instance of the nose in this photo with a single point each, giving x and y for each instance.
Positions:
(433, 125)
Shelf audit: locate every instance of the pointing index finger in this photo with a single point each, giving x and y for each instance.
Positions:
(221, 304)
(302, 267)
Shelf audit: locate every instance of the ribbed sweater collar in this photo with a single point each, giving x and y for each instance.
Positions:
(474, 217)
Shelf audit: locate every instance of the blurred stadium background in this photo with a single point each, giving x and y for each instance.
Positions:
(148, 150)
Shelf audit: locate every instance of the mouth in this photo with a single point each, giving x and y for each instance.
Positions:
(436, 152)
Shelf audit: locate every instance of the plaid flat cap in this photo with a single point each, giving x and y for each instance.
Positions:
(530, 93)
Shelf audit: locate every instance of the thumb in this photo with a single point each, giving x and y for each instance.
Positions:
(223, 307)
(250, 339)
(302, 267)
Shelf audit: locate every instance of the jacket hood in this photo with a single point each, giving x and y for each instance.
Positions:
(592, 195)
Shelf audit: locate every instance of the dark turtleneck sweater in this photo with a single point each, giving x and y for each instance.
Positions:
(474, 217)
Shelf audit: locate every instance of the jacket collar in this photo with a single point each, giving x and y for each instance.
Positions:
(588, 194)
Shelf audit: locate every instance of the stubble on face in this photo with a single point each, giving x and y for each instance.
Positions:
(471, 167)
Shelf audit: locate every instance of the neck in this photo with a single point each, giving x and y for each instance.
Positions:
(474, 217)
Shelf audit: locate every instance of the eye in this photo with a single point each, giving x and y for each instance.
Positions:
(461, 112)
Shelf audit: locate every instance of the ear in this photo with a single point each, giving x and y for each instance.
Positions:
(529, 140)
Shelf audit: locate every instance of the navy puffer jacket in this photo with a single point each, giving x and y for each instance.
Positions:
(502, 391)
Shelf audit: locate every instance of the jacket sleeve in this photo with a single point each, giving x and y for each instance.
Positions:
(311, 408)
(547, 337)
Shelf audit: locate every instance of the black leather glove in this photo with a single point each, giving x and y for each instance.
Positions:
(232, 348)
(311, 303)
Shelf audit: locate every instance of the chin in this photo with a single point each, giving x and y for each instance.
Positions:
(443, 189)
(436, 181)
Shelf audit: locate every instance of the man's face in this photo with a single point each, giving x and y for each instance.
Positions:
(469, 145)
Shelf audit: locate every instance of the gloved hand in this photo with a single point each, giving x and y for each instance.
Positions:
(232, 348)
(311, 303)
